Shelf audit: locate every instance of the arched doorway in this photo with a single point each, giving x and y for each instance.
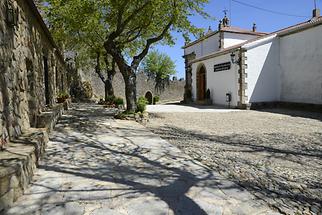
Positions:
(201, 84)
(149, 97)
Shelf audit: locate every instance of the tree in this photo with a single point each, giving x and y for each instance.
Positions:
(105, 67)
(160, 67)
(110, 72)
(131, 28)
(80, 32)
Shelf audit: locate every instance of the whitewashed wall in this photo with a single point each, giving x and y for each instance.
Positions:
(219, 83)
(231, 39)
(301, 62)
(204, 47)
(263, 71)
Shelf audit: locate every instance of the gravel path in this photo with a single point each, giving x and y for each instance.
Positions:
(276, 155)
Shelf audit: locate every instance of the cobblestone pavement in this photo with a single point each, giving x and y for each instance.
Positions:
(176, 108)
(274, 154)
(97, 165)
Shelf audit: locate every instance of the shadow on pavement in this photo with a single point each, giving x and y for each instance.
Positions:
(88, 148)
(245, 164)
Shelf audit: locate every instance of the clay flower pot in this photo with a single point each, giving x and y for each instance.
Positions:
(61, 100)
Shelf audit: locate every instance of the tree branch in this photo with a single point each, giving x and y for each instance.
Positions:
(120, 14)
(122, 25)
(135, 13)
(138, 33)
(109, 71)
(116, 53)
(98, 68)
(138, 58)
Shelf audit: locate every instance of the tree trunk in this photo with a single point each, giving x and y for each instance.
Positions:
(109, 83)
(106, 90)
(109, 90)
(130, 89)
(128, 73)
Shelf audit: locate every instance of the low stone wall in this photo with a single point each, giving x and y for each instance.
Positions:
(48, 119)
(172, 92)
(21, 157)
(18, 163)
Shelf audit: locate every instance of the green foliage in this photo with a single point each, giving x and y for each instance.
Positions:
(126, 112)
(63, 95)
(118, 101)
(160, 67)
(130, 23)
(127, 29)
(156, 99)
(87, 89)
(76, 25)
(110, 99)
(141, 104)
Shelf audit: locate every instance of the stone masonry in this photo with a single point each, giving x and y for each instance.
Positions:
(32, 68)
(32, 73)
(172, 92)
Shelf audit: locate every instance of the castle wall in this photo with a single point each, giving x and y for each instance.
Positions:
(172, 92)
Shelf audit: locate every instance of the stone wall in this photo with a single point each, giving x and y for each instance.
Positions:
(1, 120)
(173, 92)
(26, 51)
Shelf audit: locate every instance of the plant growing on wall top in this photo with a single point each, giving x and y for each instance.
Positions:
(159, 67)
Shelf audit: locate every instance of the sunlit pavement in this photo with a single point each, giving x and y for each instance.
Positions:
(176, 108)
(97, 165)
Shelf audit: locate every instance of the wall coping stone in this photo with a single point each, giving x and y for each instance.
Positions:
(17, 164)
(21, 157)
(48, 119)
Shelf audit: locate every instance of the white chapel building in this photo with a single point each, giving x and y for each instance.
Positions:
(245, 68)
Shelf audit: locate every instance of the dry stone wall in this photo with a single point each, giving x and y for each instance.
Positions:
(30, 64)
(172, 92)
(1, 120)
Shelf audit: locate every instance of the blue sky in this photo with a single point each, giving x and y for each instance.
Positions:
(243, 16)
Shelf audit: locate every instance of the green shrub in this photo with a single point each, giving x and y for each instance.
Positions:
(87, 90)
(63, 95)
(156, 99)
(118, 101)
(110, 99)
(141, 104)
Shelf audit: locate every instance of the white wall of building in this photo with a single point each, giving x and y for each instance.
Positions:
(279, 68)
(219, 83)
(301, 62)
(231, 39)
(263, 71)
(204, 47)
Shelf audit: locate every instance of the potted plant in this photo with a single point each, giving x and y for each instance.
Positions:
(156, 99)
(119, 102)
(62, 96)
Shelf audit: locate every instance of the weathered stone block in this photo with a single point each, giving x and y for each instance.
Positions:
(17, 169)
(6, 200)
(49, 119)
(4, 185)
